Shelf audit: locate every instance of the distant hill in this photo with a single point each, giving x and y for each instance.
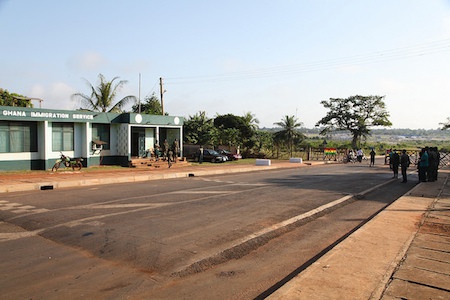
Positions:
(383, 134)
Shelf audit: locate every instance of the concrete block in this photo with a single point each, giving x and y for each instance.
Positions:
(296, 160)
(262, 162)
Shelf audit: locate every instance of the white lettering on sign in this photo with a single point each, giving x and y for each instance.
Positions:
(14, 113)
(80, 116)
(49, 115)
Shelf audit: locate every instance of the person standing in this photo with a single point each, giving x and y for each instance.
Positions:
(372, 158)
(200, 154)
(433, 163)
(405, 162)
(359, 155)
(423, 165)
(165, 149)
(176, 150)
(395, 161)
(156, 150)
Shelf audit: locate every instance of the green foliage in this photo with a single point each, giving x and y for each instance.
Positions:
(199, 130)
(289, 135)
(355, 114)
(237, 131)
(445, 125)
(151, 106)
(13, 99)
(102, 98)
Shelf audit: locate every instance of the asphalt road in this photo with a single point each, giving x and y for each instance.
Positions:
(194, 238)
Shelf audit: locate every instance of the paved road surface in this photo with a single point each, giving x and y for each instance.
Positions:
(142, 237)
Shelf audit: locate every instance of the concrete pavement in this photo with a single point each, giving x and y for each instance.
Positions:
(402, 253)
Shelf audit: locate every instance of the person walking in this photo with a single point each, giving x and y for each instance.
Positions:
(404, 162)
(372, 158)
(395, 161)
(169, 158)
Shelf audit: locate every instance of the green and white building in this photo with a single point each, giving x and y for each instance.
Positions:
(33, 138)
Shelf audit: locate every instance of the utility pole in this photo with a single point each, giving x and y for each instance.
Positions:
(139, 93)
(162, 91)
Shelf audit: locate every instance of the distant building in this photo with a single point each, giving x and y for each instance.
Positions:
(32, 138)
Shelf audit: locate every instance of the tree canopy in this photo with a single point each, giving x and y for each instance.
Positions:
(151, 106)
(13, 99)
(199, 129)
(355, 114)
(103, 97)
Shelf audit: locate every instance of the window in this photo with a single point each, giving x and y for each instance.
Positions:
(18, 137)
(62, 135)
(101, 132)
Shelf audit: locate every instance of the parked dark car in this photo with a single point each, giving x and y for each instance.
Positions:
(212, 156)
(229, 154)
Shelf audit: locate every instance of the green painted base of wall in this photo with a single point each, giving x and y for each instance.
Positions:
(18, 165)
(22, 165)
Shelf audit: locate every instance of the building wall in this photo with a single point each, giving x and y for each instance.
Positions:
(120, 136)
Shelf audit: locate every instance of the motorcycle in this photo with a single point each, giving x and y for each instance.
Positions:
(66, 161)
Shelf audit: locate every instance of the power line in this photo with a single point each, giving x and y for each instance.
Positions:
(293, 69)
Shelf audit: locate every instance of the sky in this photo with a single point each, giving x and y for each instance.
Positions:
(270, 58)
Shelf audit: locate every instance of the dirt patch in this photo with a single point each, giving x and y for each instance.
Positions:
(435, 228)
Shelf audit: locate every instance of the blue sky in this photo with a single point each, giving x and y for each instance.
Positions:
(270, 58)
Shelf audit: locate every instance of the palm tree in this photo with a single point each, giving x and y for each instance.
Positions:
(251, 121)
(289, 133)
(103, 96)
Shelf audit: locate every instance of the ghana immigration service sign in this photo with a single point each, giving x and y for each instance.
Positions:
(11, 113)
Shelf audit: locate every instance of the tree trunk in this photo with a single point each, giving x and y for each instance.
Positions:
(355, 140)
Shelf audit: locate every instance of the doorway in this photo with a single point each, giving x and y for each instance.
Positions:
(137, 141)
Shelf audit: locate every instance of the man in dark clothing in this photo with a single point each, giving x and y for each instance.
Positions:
(423, 164)
(372, 158)
(433, 164)
(405, 162)
(156, 150)
(395, 161)
(176, 150)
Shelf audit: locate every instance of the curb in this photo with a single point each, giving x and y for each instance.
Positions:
(58, 184)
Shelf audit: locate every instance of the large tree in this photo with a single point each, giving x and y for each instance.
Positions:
(355, 114)
(13, 99)
(240, 130)
(103, 97)
(289, 132)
